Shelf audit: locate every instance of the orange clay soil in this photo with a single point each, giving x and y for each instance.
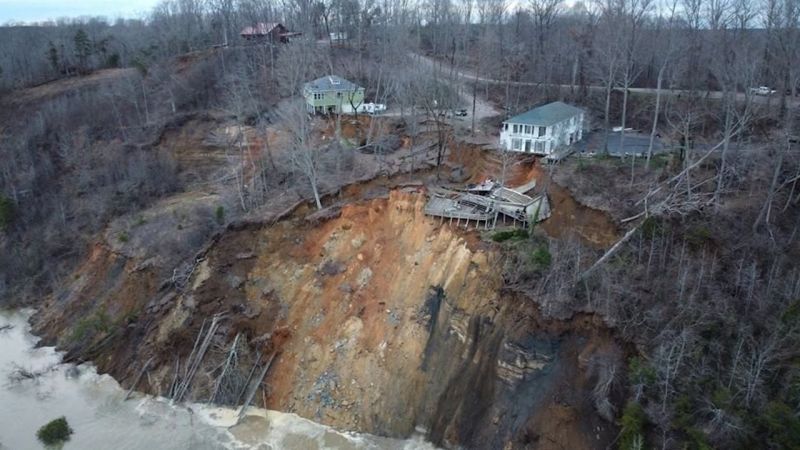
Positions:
(383, 320)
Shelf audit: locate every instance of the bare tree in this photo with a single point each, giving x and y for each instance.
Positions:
(608, 59)
(667, 56)
(437, 98)
(304, 153)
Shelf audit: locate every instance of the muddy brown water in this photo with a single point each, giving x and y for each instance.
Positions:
(96, 409)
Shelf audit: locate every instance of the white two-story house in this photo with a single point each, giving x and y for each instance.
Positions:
(543, 130)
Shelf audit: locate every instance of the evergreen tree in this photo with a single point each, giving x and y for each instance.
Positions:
(52, 56)
(83, 48)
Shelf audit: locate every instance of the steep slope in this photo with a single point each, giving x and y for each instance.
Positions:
(382, 320)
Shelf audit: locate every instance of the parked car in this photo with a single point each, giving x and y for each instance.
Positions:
(762, 90)
(372, 108)
(461, 112)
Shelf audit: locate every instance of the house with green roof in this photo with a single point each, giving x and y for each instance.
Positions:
(332, 94)
(543, 130)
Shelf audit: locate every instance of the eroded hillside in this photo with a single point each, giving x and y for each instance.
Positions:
(381, 320)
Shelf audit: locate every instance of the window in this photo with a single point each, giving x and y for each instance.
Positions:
(527, 129)
(318, 96)
(539, 147)
(339, 95)
(516, 144)
(542, 131)
(516, 128)
(505, 127)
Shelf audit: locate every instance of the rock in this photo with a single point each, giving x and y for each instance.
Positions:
(252, 311)
(516, 361)
(458, 175)
(331, 268)
(263, 338)
(234, 281)
(168, 298)
(357, 242)
(324, 214)
(189, 302)
(72, 372)
(159, 303)
(364, 276)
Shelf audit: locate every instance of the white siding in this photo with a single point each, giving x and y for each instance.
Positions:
(518, 137)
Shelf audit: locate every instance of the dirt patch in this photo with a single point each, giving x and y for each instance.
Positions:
(356, 128)
(570, 217)
(481, 163)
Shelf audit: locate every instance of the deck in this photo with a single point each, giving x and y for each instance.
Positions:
(500, 202)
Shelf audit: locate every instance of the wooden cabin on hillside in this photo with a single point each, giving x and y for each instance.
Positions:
(271, 31)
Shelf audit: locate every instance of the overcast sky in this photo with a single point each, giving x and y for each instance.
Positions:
(41, 10)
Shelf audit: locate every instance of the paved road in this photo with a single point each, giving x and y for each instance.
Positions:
(483, 108)
(470, 76)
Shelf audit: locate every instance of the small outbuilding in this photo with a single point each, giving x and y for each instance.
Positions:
(332, 95)
(543, 130)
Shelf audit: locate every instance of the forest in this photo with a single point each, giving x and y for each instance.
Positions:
(702, 284)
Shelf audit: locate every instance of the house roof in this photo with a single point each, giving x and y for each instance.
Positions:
(261, 29)
(331, 83)
(549, 114)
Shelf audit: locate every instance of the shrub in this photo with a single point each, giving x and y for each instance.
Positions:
(6, 212)
(791, 314)
(698, 236)
(632, 434)
(581, 164)
(541, 257)
(113, 60)
(505, 235)
(659, 161)
(99, 322)
(55, 432)
(683, 412)
(781, 424)
(123, 237)
(694, 438)
(650, 227)
(220, 214)
(639, 372)
(697, 440)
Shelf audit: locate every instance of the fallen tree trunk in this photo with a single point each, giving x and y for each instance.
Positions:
(254, 387)
(609, 253)
(138, 378)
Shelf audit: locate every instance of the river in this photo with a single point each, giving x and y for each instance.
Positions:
(101, 418)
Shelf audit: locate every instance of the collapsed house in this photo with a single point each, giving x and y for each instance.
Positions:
(487, 203)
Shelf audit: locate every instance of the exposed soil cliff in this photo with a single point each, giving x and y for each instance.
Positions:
(383, 321)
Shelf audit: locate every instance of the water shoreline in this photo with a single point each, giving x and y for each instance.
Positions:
(97, 410)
